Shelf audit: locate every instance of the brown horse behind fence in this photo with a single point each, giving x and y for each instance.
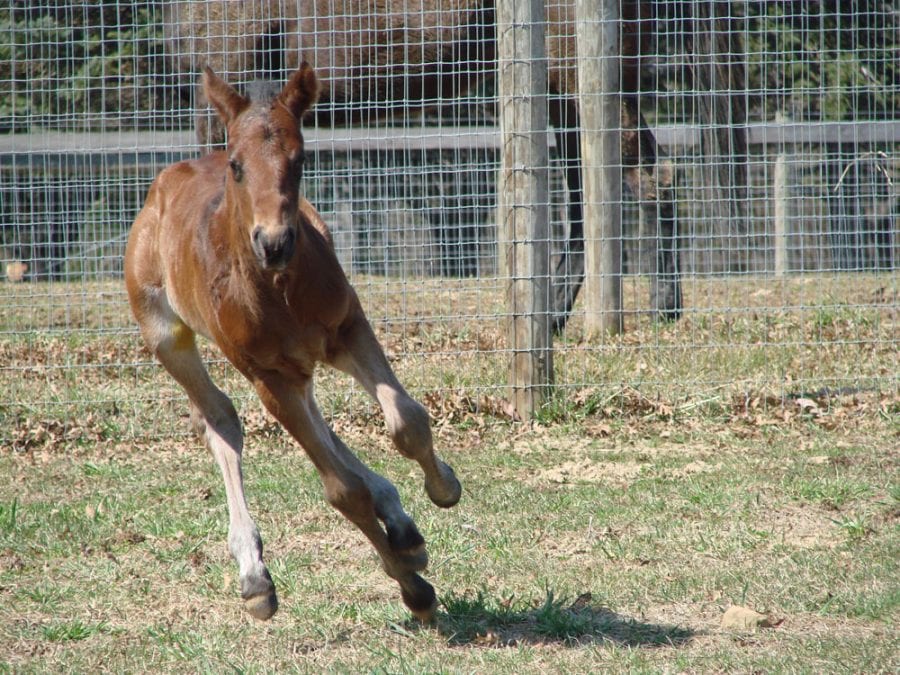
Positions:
(226, 247)
(375, 59)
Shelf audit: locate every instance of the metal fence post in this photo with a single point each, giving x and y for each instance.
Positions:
(523, 199)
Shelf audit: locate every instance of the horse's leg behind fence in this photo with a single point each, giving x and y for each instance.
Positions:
(567, 274)
(651, 183)
(650, 179)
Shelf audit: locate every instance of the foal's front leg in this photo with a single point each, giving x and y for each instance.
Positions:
(407, 420)
(215, 420)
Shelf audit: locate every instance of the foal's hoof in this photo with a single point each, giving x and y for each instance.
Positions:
(666, 300)
(448, 491)
(259, 596)
(409, 545)
(421, 600)
(262, 607)
(668, 314)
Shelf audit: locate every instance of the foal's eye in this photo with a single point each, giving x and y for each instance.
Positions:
(237, 170)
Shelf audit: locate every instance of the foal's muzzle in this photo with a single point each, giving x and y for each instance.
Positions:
(274, 250)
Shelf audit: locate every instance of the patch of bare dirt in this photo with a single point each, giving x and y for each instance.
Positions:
(588, 471)
(802, 527)
(587, 463)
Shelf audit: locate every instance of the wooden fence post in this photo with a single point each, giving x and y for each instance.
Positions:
(779, 180)
(780, 188)
(523, 199)
(597, 35)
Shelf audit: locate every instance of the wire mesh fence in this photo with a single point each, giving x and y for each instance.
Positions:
(758, 158)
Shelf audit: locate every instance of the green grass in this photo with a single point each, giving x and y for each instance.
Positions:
(118, 557)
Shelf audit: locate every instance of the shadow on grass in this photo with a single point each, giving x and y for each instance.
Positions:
(485, 621)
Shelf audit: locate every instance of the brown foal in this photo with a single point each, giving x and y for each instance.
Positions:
(225, 246)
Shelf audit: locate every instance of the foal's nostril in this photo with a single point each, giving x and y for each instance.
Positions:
(273, 250)
(262, 244)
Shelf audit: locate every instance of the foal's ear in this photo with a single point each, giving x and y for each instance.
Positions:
(301, 91)
(223, 96)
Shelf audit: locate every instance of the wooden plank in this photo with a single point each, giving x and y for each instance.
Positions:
(523, 199)
(674, 137)
(597, 34)
(316, 139)
(824, 133)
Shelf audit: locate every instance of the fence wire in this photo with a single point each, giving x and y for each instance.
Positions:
(759, 172)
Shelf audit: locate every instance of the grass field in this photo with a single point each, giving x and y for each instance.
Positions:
(747, 455)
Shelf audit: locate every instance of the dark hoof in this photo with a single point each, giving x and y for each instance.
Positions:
(559, 323)
(421, 600)
(260, 599)
(409, 545)
(448, 493)
(262, 607)
(670, 315)
(568, 275)
(666, 300)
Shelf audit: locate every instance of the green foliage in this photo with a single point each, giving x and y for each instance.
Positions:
(9, 515)
(80, 65)
(824, 60)
(99, 62)
(486, 620)
(832, 492)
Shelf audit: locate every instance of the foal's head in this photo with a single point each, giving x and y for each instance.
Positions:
(265, 162)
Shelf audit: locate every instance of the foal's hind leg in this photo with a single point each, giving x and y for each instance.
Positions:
(407, 420)
(215, 420)
(361, 495)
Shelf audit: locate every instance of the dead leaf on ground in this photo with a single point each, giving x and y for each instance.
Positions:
(744, 618)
